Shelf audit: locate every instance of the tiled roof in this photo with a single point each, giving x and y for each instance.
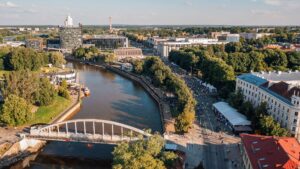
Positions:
(268, 152)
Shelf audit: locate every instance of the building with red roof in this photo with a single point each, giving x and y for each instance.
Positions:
(269, 152)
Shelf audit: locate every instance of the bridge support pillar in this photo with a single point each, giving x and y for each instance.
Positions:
(102, 131)
(112, 132)
(75, 127)
(94, 130)
(67, 130)
(84, 127)
(121, 133)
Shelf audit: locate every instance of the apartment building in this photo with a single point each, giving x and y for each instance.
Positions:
(281, 92)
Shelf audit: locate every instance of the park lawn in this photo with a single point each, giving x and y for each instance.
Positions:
(45, 114)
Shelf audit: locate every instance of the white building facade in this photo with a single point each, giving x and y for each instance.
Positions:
(281, 93)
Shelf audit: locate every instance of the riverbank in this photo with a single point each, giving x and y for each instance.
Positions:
(13, 148)
(157, 94)
(19, 151)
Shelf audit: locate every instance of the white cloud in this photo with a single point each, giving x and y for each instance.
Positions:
(8, 4)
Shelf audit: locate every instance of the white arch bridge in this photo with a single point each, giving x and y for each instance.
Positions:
(87, 130)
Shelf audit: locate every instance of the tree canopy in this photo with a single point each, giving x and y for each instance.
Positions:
(162, 76)
(146, 153)
(15, 111)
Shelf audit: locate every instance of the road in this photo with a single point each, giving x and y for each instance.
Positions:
(220, 146)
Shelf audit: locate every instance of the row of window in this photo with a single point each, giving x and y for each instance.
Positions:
(275, 108)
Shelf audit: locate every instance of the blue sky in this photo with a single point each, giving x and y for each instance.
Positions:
(203, 12)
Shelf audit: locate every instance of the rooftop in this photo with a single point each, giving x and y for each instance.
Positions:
(231, 114)
(268, 152)
(279, 76)
(280, 89)
(253, 79)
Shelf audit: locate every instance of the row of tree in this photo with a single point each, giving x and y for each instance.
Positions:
(218, 64)
(163, 77)
(27, 59)
(261, 121)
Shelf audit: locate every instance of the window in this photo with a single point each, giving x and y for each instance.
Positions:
(296, 114)
(295, 121)
(294, 129)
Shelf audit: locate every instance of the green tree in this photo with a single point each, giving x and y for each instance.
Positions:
(142, 153)
(236, 99)
(79, 53)
(56, 58)
(15, 111)
(294, 59)
(110, 58)
(64, 84)
(24, 59)
(276, 58)
(233, 47)
(138, 66)
(269, 127)
(45, 94)
(24, 84)
(64, 92)
(247, 109)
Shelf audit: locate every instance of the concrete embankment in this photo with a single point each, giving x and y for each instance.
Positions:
(20, 150)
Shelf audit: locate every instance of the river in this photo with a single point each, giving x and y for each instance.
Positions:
(114, 98)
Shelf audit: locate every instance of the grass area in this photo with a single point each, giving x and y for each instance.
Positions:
(45, 114)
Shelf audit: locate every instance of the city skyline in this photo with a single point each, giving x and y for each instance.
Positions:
(142, 12)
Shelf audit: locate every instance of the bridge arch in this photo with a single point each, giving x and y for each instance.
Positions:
(87, 130)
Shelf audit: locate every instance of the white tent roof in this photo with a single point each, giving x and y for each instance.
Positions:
(231, 114)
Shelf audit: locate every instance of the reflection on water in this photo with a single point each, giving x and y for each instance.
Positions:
(116, 98)
(112, 98)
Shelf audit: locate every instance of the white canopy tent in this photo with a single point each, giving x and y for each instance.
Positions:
(233, 117)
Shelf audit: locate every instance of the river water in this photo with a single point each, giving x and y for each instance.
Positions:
(114, 98)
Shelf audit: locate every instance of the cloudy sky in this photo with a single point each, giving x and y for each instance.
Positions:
(202, 12)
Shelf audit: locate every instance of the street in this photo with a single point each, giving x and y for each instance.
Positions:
(218, 145)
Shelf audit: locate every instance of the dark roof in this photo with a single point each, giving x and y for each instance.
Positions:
(281, 90)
